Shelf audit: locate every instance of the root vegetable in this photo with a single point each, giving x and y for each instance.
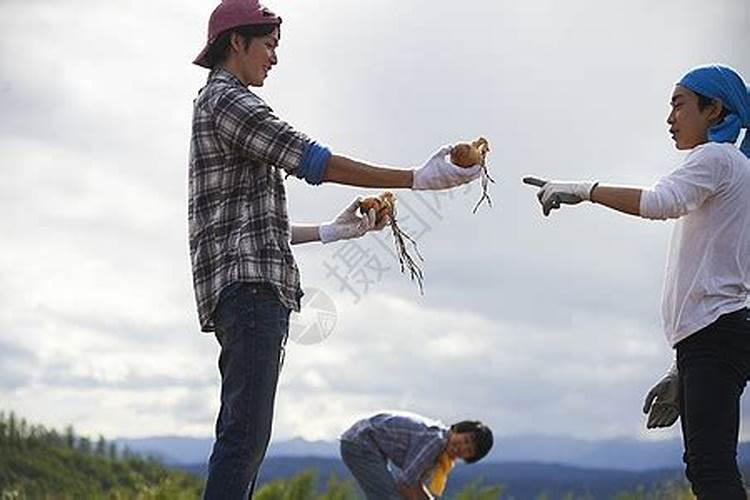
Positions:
(385, 207)
(466, 155)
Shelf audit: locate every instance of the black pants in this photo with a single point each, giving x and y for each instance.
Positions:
(714, 366)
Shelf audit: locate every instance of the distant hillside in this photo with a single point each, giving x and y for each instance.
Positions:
(39, 463)
(188, 450)
(618, 454)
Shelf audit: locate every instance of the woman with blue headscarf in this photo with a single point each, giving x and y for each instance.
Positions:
(704, 305)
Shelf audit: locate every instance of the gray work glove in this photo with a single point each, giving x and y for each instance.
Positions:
(662, 402)
(555, 193)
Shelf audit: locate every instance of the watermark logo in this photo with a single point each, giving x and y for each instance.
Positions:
(317, 318)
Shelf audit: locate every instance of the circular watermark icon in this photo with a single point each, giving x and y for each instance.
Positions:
(317, 318)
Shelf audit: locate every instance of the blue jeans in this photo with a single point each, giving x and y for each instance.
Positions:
(714, 366)
(251, 327)
(370, 469)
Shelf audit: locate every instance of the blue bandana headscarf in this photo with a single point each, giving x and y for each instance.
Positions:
(723, 83)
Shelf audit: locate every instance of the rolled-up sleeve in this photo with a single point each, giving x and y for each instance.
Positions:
(685, 189)
(314, 163)
(249, 127)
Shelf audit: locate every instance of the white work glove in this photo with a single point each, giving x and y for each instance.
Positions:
(440, 173)
(662, 402)
(349, 224)
(555, 193)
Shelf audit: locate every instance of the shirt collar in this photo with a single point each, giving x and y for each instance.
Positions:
(222, 75)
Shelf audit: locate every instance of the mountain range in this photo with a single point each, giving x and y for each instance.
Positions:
(614, 454)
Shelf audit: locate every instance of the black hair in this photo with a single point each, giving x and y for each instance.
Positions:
(705, 101)
(219, 50)
(482, 436)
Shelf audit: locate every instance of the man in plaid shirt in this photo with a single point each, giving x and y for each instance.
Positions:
(245, 278)
(412, 445)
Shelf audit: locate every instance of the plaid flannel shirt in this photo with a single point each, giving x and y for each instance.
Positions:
(237, 214)
(411, 442)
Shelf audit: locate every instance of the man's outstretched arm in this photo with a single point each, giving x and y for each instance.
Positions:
(347, 225)
(623, 199)
(674, 196)
(343, 170)
(436, 174)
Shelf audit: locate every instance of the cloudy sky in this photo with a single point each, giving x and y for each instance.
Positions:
(534, 325)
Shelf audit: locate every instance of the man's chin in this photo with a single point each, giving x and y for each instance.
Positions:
(258, 83)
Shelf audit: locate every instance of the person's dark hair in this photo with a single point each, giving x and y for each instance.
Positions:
(482, 438)
(219, 50)
(705, 101)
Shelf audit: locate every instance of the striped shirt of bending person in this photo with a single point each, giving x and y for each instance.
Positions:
(411, 442)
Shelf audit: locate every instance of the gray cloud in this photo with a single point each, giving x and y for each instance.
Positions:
(93, 177)
(63, 374)
(17, 365)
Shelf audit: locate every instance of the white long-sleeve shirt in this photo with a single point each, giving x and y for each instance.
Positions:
(708, 267)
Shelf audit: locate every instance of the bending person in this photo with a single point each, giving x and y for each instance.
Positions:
(393, 455)
(708, 271)
(244, 274)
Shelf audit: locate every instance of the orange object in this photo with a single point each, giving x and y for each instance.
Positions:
(384, 205)
(466, 154)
